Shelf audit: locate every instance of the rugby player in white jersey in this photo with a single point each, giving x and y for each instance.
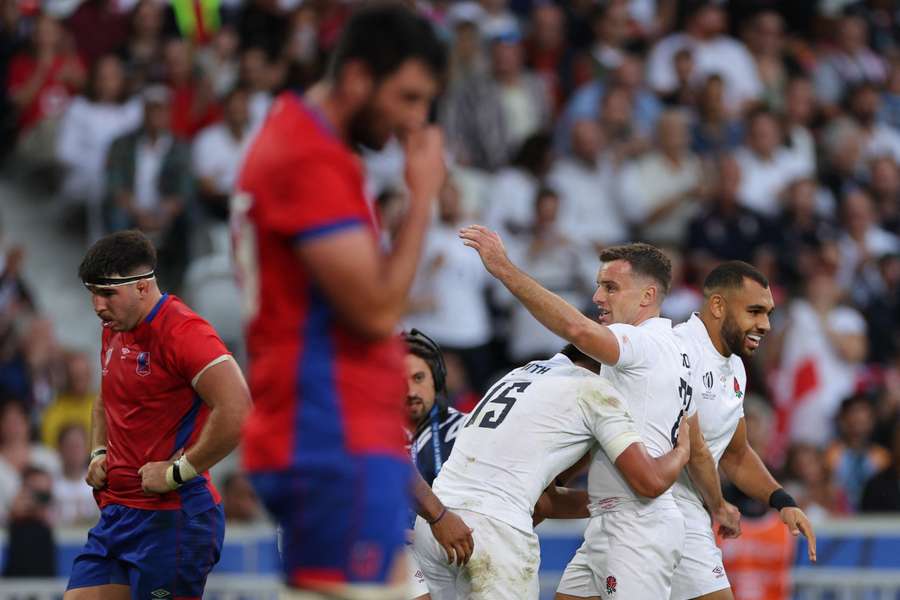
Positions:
(533, 424)
(632, 551)
(731, 323)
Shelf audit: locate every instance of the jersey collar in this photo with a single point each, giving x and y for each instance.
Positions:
(156, 308)
(701, 333)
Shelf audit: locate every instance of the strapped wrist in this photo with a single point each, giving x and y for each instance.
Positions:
(781, 499)
(439, 517)
(98, 451)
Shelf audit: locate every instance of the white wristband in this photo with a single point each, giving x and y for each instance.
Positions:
(186, 469)
(170, 478)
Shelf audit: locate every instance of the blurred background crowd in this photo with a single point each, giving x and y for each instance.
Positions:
(756, 130)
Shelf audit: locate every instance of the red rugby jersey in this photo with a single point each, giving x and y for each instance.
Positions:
(319, 390)
(152, 410)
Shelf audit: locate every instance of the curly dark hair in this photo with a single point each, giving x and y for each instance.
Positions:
(645, 260)
(121, 253)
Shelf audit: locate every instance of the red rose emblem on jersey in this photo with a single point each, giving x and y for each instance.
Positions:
(610, 585)
(737, 389)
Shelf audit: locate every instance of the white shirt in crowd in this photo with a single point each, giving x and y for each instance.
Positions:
(150, 157)
(259, 107)
(762, 181)
(533, 424)
(451, 276)
(719, 384)
(722, 56)
(589, 208)
(650, 182)
(653, 376)
(87, 130)
(74, 502)
(509, 206)
(217, 154)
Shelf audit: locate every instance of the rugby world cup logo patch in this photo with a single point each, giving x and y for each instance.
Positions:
(143, 364)
(610, 585)
(708, 380)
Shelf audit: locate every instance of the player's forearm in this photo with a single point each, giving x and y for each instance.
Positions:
(567, 503)
(427, 504)
(559, 316)
(400, 267)
(668, 467)
(98, 423)
(747, 471)
(703, 472)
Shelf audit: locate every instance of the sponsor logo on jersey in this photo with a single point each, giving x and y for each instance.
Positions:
(737, 389)
(143, 364)
(708, 380)
(719, 572)
(610, 585)
(161, 593)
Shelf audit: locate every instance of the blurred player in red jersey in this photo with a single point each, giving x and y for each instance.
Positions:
(324, 444)
(171, 405)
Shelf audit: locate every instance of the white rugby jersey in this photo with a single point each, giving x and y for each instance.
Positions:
(719, 384)
(533, 424)
(653, 376)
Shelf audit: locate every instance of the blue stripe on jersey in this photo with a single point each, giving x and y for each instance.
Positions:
(318, 423)
(322, 230)
(156, 308)
(195, 496)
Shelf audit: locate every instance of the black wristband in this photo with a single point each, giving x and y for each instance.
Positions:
(98, 452)
(781, 499)
(176, 473)
(439, 517)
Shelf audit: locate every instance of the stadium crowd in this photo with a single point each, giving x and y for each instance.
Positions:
(762, 131)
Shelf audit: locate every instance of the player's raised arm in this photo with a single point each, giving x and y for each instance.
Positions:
(746, 470)
(703, 472)
(369, 289)
(552, 311)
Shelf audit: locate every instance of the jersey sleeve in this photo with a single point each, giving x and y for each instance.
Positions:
(632, 345)
(195, 348)
(606, 416)
(316, 197)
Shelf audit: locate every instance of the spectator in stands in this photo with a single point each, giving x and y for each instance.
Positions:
(684, 95)
(878, 139)
(882, 492)
(547, 53)
(256, 78)
(43, 361)
(863, 242)
(546, 254)
(713, 52)
(487, 118)
(16, 304)
(765, 39)
(219, 60)
(799, 109)
(801, 230)
(590, 209)
(850, 62)
(149, 183)
(809, 480)
(884, 189)
(767, 167)
(88, 128)
(661, 191)
(714, 131)
(843, 153)
(683, 299)
(853, 458)
(41, 81)
(510, 195)
(890, 98)
(73, 405)
(74, 501)
(451, 281)
(610, 26)
(99, 28)
(725, 230)
(31, 547)
(467, 58)
(144, 52)
(217, 153)
(193, 98)
(240, 501)
(17, 452)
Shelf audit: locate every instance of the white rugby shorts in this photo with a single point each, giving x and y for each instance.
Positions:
(701, 570)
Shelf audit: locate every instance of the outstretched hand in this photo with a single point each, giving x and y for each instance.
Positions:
(488, 245)
(797, 522)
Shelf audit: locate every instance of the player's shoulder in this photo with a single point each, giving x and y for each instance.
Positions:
(452, 417)
(177, 317)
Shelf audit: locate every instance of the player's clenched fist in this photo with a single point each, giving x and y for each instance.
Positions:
(153, 477)
(96, 475)
(489, 246)
(425, 169)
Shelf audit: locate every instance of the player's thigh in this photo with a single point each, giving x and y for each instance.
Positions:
(578, 578)
(645, 547)
(440, 574)
(98, 564)
(504, 565)
(174, 553)
(113, 591)
(417, 588)
(701, 573)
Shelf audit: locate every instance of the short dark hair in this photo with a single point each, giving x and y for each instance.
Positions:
(730, 276)
(644, 259)
(384, 37)
(119, 253)
(580, 358)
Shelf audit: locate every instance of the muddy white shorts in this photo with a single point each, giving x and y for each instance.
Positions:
(504, 565)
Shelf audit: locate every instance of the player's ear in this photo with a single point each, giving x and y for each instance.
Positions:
(717, 305)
